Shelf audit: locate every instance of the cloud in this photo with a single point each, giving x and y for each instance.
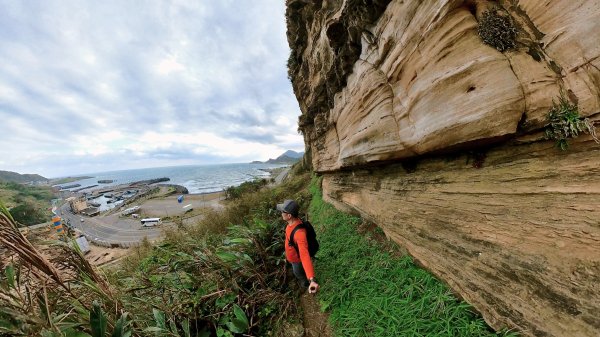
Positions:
(166, 82)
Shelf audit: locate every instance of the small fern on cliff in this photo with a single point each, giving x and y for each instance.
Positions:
(565, 123)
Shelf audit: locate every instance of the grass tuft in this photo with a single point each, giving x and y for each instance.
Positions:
(565, 123)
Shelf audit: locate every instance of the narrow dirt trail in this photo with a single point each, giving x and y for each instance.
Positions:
(315, 322)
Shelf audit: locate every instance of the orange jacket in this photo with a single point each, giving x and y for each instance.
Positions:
(302, 244)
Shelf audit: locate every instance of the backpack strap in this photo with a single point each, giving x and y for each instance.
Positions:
(291, 242)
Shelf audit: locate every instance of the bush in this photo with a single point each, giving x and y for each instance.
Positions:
(497, 30)
(224, 276)
(234, 192)
(38, 193)
(27, 214)
(565, 123)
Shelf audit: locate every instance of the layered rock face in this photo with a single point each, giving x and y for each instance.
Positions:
(421, 127)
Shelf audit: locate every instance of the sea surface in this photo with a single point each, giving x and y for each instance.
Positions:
(197, 179)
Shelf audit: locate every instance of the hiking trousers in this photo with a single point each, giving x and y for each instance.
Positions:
(300, 274)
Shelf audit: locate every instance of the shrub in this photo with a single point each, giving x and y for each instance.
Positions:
(235, 192)
(497, 30)
(27, 214)
(223, 276)
(564, 123)
(52, 290)
(292, 65)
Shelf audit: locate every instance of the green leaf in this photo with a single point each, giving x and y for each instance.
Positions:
(236, 326)
(240, 315)
(42, 304)
(223, 333)
(120, 326)
(247, 258)
(159, 317)
(174, 328)
(224, 300)
(46, 333)
(97, 320)
(240, 241)
(9, 272)
(324, 305)
(185, 324)
(153, 329)
(227, 257)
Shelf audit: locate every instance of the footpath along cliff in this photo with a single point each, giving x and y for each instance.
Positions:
(431, 119)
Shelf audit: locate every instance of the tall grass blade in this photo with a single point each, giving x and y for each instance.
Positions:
(97, 320)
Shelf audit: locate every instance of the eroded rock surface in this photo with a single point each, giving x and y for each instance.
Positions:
(384, 84)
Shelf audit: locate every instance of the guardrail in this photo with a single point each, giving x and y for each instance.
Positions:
(112, 244)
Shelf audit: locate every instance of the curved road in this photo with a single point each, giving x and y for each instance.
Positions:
(110, 228)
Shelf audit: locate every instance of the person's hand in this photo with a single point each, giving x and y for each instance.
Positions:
(313, 287)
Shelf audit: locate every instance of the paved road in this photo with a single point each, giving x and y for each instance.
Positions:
(110, 228)
(115, 229)
(282, 175)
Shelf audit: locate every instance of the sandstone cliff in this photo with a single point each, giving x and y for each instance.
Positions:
(419, 125)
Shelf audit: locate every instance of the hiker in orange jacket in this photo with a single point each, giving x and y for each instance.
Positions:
(300, 259)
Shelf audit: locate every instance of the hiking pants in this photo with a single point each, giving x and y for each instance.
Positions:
(300, 274)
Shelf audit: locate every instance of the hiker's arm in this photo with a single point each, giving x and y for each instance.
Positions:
(300, 238)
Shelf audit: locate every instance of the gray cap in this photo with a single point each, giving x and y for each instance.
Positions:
(289, 206)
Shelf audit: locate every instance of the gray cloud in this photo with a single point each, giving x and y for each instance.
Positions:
(91, 83)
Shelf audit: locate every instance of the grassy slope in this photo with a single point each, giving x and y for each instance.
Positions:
(66, 180)
(199, 275)
(225, 277)
(20, 178)
(373, 290)
(38, 199)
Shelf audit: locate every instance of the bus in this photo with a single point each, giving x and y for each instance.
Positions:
(150, 222)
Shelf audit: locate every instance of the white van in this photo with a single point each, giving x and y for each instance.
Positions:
(150, 222)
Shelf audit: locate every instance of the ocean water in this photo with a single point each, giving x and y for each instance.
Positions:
(197, 179)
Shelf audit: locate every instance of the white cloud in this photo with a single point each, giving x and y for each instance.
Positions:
(168, 82)
(169, 65)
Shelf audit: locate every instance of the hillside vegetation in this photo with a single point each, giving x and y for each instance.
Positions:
(9, 176)
(225, 276)
(28, 205)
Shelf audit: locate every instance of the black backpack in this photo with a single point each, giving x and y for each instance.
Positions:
(311, 238)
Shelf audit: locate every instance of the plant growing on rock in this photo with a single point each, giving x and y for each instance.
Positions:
(497, 30)
(564, 123)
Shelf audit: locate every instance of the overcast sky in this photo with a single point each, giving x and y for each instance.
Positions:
(91, 86)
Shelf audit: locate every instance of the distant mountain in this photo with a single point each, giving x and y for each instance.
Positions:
(288, 157)
(282, 160)
(20, 178)
(293, 154)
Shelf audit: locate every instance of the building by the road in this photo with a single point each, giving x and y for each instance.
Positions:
(77, 204)
(91, 211)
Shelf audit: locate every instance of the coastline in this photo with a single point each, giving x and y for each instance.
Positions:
(196, 178)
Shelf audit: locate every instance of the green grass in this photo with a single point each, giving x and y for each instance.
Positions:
(225, 277)
(235, 192)
(28, 204)
(371, 289)
(564, 122)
